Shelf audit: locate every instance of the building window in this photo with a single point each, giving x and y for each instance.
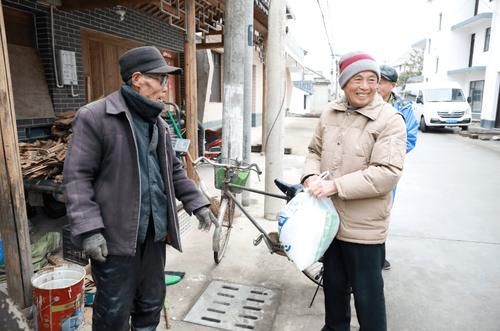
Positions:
(430, 44)
(487, 39)
(471, 50)
(437, 65)
(476, 89)
(216, 94)
(440, 21)
(476, 7)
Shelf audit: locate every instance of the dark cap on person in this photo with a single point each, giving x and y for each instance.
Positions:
(388, 73)
(144, 59)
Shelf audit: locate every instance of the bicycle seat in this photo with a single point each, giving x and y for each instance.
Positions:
(290, 190)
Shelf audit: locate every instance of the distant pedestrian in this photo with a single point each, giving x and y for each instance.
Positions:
(121, 179)
(361, 140)
(388, 80)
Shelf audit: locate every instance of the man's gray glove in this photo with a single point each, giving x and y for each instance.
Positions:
(205, 218)
(95, 247)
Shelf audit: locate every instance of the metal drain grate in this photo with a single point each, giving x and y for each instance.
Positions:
(231, 306)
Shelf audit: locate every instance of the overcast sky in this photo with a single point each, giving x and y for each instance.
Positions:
(383, 28)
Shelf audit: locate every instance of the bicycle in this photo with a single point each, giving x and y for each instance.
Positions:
(230, 178)
(226, 182)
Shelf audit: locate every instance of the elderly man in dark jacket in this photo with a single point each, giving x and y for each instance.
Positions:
(121, 179)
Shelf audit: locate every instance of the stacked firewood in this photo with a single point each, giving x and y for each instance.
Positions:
(62, 125)
(44, 159)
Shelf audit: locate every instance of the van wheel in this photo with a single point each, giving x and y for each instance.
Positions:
(422, 126)
(464, 127)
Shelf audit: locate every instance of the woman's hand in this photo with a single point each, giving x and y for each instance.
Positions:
(309, 180)
(321, 188)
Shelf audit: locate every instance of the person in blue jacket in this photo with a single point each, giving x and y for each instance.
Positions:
(388, 79)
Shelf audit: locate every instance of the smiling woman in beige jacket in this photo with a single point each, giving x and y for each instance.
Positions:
(361, 140)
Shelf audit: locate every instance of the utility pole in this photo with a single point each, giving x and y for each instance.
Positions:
(235, 32)
(248, 92)
(332, 79)
(275, 67)
(190, 77)
(335, 78)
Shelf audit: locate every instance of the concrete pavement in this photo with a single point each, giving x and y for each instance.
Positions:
(243, 264)
(444, 239)
(443, 245)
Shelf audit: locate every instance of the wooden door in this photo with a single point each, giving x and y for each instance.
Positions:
(101, 70)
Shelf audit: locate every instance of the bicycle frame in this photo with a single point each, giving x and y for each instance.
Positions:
(314, 272)
(227, 195)
(273, 247)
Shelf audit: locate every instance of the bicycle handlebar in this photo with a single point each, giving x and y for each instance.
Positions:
(253, 166)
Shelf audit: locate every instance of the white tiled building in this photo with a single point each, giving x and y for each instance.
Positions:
(463, 45)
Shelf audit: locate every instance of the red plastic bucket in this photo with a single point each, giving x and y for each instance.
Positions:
(58, 298)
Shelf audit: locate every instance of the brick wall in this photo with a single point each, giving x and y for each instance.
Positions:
(136, 26)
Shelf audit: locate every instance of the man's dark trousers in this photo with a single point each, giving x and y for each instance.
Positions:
(358, 267)
(130, 286)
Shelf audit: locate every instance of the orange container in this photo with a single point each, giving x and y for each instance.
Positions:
(58, 298)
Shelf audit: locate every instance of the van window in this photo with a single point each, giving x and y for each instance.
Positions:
(444, 95)
(410, 95)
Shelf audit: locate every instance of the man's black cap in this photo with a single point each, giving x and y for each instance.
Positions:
(388, 73)
(145, 59)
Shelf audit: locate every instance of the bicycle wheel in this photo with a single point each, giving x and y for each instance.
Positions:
(315, 273)
(221, 234)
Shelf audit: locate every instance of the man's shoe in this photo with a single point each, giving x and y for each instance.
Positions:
(387, 265)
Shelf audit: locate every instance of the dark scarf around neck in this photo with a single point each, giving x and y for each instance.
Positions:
(144, 107)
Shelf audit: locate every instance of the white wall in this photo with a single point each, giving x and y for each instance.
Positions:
(297, 102)
(465, 79)
(452, 47)
(319, 99)
(213, 110)
(492, 76)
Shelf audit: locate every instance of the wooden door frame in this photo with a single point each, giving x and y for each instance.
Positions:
(177, 60)
(14, 221)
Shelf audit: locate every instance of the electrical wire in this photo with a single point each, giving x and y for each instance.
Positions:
(277, 116)
(56, 74)
(325, 27)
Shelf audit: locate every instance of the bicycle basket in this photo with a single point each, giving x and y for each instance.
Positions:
(240, 176)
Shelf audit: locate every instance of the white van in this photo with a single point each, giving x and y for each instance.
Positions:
(439, 105)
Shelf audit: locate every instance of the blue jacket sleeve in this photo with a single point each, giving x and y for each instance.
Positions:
(411, 125)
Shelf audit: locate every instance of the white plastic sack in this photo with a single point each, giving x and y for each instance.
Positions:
(307, 227)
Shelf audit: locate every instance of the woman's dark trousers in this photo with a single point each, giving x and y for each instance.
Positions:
(357, 268)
